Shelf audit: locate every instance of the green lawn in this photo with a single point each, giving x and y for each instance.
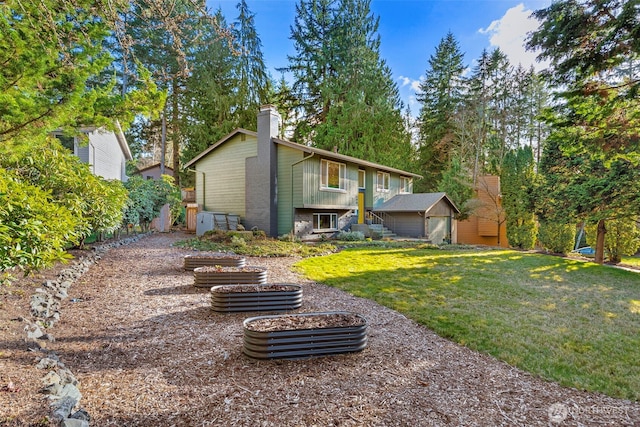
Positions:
(573, 322)
(633, 261)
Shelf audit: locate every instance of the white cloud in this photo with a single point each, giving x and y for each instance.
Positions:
(407, 81)
(509, 33)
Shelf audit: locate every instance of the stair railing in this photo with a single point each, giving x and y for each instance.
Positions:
(383, 219)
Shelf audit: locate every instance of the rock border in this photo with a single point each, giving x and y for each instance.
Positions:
(59, 383)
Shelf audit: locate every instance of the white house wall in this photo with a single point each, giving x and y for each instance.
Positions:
(104, 156)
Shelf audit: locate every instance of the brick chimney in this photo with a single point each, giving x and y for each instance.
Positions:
(261, 175)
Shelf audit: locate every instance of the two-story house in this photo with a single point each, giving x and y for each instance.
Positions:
(106, 152)
(281, 187)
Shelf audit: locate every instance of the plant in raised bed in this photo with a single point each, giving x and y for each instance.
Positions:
(269, 297)
(296, 336)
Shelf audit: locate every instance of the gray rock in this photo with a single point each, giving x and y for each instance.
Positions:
(81, 414)
(73, 422)
(62, 408)
(51, 378)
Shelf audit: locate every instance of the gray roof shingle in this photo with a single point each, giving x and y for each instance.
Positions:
(419, 202)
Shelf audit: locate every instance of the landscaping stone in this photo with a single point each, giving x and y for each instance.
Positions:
(59, 383)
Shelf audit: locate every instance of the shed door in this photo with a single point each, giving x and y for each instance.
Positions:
(438, 229)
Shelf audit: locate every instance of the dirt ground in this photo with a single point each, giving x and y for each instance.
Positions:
(148, 351)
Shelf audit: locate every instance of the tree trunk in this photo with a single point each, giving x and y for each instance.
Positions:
(175, 129)
(163, 154)
(602, 230)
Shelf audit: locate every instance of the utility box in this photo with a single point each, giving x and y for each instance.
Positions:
(204, 222)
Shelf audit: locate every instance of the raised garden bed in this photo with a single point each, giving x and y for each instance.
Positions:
(207, 277)
(270, 297)
(304, 335)
(192, 262)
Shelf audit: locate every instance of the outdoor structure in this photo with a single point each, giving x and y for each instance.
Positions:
(487, 225)
(106, 152)
(154, 171)
(429, 216)
(282, 187)
(163, 221)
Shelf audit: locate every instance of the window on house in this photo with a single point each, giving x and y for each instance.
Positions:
(382, 181)
(406, 184)
(361, 178)
(333, 175)
(325, 222)
(67, 142)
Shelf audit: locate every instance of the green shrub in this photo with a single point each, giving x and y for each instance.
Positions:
(521, 232)
(556, 237)
(244, 235)
(96, 203)
(259, 234)
(350, 236)
(622, 238)
(238, 242)
(147, 197)
(289, 237)
(34, 230)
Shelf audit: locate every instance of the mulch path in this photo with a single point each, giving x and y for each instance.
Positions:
(149, 351)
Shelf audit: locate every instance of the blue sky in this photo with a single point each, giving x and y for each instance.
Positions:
(409, 30)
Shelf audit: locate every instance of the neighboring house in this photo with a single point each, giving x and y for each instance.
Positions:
(487, 224)
(106, 152)
(429, 216)
(154, 171)
(163, 221)
(281, 187)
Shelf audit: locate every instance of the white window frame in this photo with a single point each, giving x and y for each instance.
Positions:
(324, 175)
(333, 221)
(362, 178)
(383, 181)
(406, 185)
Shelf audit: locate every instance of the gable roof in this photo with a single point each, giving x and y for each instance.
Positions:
(122, 141)
(418, 202)
(344, 158)
(219, 143)
(153, 166)
(304, 148)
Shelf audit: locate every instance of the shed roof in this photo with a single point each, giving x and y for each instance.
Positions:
(418, 202)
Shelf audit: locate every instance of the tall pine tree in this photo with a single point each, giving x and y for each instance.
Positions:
(253, 83)
(597, 121)
(347, 95)
(441, 96)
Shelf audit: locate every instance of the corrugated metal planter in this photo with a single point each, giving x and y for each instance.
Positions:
(207, 277)
(270, 297)
(192, 262)
(304, 335)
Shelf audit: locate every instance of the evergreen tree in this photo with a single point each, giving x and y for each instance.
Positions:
(210, 102)
(458, 185)
(516, 181)
(347, 95)
(252, 80)
(283, 98)
(51, 77)
(311, 67)
(441, 95)
(596, 125)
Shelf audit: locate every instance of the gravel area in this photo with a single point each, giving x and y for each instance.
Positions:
(148, 350)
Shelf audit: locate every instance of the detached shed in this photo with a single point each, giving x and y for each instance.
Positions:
(428, 216)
